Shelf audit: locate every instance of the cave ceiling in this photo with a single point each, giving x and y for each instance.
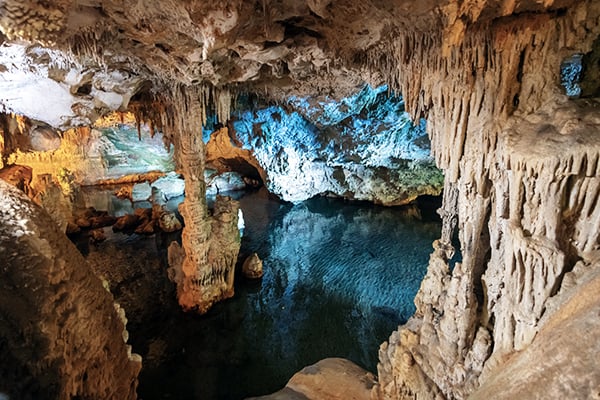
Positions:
(275, 47)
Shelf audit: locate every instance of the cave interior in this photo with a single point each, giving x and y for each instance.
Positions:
(149, 118)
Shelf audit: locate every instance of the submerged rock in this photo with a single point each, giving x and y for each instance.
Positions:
(253, 267)
(126, 222)
(97, 235)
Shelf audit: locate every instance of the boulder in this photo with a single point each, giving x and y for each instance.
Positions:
(126, 222)
(97, 235)
(169, 186)
(331, 379)
(146, 228)
(168, 222)
(141, 192)
(91, 218)
(253, 267)
(44, 139)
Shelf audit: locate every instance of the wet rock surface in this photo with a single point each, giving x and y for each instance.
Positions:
(520, 160)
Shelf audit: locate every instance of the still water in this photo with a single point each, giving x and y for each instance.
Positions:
(339, 278)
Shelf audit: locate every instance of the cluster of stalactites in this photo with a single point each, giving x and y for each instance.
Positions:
(11, 125)
(451, 88)
(170, 111)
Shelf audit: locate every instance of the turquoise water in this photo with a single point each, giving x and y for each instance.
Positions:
(339, 278)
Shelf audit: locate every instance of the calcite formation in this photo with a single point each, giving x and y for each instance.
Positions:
(521, 163)
(520, 158)
(331, 378)
(252, 267)
(62, 335)
(203, 267)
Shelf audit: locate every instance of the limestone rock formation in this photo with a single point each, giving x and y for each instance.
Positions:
(169, 186)
(521, 170)
(363, 147)
(331, 378)
(252, 267)
(166, 220)
(572, 370)
(62, 335)
(66, 93)
(17, 175)
(203, 267)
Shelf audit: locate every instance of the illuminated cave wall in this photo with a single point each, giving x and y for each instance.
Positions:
(363, 147)
(94, 154)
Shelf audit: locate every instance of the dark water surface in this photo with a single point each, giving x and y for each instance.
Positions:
(339, 278)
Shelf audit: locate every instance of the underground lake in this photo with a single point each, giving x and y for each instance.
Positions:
(339, 278)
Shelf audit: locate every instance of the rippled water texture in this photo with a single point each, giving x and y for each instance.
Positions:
(339, 278)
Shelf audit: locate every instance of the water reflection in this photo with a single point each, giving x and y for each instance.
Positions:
(339, 278)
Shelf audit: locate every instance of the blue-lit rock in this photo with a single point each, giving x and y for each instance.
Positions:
(226, 182)
(141, 191)
(363, 147)
(169, 186)
(125, 153)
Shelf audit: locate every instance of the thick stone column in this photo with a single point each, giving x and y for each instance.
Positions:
(203, 266)
(61, 334)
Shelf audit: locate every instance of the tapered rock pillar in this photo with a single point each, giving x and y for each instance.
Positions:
(203, 266)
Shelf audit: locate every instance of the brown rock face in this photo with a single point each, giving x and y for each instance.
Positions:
(253, 267)
(17, 175)
(222, 154)
(62, 336)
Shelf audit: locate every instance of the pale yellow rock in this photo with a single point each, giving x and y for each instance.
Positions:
(329, 379)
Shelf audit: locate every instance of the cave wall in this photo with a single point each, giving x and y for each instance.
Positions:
(361, 147)
(519, 157)
(521, 167)
(62, 336)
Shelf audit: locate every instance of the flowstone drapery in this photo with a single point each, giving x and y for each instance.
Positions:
(62, 335)
(522, 183)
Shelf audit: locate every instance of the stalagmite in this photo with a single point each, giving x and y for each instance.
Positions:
(203, 267)
(521, 160)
